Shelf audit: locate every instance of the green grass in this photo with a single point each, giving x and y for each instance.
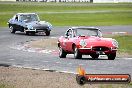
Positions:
(125, 43)
(121, 14)
(2, 86)
(17, 7)
(5, 86)
(88, 19)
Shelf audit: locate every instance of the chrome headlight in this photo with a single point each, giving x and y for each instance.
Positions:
(50, 26)
(30, 27)
(115, 43)
(83, 43)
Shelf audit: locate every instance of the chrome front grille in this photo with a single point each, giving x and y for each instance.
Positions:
(100, 48)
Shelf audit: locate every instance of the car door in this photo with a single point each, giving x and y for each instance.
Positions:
(16, 23)
(21, 23)
(68, 40)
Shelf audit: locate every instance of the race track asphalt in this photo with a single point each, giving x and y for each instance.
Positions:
(19, 58)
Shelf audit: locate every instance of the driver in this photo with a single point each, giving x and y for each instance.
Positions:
(70, 33)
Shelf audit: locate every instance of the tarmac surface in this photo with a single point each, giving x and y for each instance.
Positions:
(51, 62)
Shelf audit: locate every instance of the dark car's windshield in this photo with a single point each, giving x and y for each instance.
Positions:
(88, 32)
(29, 18)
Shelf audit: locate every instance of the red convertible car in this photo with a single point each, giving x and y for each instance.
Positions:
(86, 41)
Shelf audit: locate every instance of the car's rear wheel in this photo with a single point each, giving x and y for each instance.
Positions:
(47, 33)
(62, 53)
(111, 56)
(94, 56)
(12, 30)
(77, 54)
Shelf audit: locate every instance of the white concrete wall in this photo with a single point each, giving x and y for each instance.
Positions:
(103, 1)
(110, 1)
(124, 0)
(94, 1)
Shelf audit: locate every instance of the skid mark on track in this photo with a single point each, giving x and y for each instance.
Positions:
(27, 47)
(33, 50)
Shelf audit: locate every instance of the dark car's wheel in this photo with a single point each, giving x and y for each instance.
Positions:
(12, 30)
(77, 54)
(81, 80)
(62, 53)
(32, 33)
(27, 33)
(94, 56)
(47, 33)
(111, 56)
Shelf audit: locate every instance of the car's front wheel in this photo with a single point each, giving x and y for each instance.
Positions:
(33, 33)
(27, 33)
(47, 33)
(111, 56)
(12, 30)
(62, 53)
(94, 56)
(77, 54)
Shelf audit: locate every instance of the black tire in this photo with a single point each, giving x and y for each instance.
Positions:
(77, 54)
(12, 30)
(47, 33)
(81, 80)
(33, 33)
(111, 56)
(62, 53)
(27, 33)
(94, 56)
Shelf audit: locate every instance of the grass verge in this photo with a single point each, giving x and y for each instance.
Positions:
(125, 43)
(28, 78)
(73, 14)
(5, 86)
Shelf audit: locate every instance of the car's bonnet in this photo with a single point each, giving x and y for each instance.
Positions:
(97, 41)
(37, 23)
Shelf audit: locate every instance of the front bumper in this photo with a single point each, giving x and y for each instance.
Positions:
(99, 51)
(37, 30)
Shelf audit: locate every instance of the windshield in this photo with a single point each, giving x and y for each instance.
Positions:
(88, 32)
(29, 18)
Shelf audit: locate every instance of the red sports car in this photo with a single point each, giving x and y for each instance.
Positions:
(86, 41)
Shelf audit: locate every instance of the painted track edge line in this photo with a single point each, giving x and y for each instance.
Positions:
(49, 70)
